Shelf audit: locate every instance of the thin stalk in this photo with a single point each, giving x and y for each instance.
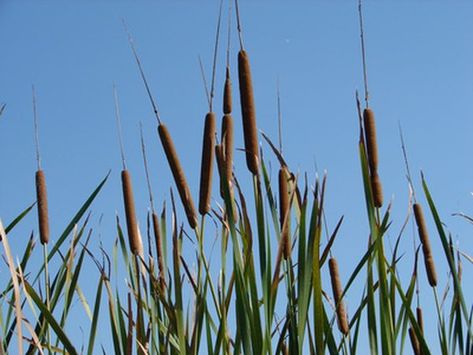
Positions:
(47, 290)
(363, 54)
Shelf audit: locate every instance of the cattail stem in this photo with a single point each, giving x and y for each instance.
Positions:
(337, 295)
(42, 202)
(248, 112)
(206, 168)
(178, 174)
(426, 248)
(134, 238)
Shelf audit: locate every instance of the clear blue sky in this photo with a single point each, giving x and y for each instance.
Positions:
(420, 68)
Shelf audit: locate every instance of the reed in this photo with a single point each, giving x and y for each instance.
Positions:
(247, 102)
(178, 174)
(426, 248)
(42, 202)
(206, 169)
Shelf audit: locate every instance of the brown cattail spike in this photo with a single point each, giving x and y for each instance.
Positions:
(337, 295)
(178, 174)
(220, 168)
(420, 319)
(248, 112)
(414, 342)
(227, 93)
(377, 190)
(42, 201)
(206, 168)
(134, 238)
(159, 249)
(227, 145)
(426, 249)
(370, 136)
(284, 211)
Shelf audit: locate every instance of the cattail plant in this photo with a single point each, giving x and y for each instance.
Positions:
(227, 93)
(420, 319)
(371, 142)
(247, 102)
(206, 168)
(227, 145)
(41, 192)
(377, 189)
(208, 141)
(178, 174)
(284, 211)
(426, 248)
(42, 201)
(414, 342)
(370, 128)
(134, 238)
(169, 149)
(227, 121)
(337, 295)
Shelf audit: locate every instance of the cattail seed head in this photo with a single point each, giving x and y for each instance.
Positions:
(284, 210)
(337, 295)
(227, 145)
(248, 112)
(426, 248)
(159, 249)
(377, 190)
(420, 319)
(220, 168)
(227, 93)
(206, 167)
(134, 238)
(370, 136)
(414, 342)
(42, 201)
(178, 174)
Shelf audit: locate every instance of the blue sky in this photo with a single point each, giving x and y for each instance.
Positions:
(420, 69)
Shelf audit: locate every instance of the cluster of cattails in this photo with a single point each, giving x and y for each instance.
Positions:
(416, 348)
(372, 152)
(426, 249)
(284, 210)
(342, 318)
